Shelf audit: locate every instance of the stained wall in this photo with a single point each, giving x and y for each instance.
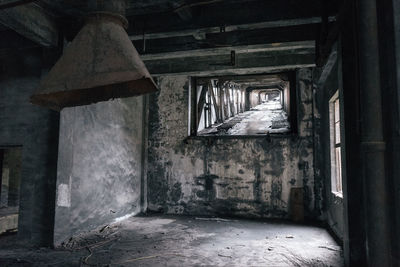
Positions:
(250, 176)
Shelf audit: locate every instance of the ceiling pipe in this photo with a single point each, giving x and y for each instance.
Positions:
(100, 64)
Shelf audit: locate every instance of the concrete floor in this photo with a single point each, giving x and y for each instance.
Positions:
(185, 241)
(268, 117)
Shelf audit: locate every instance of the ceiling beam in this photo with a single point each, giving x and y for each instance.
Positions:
(201, 33)
(328, 67)
(12, 3)
(32, 22)
(257, 61)
(227, 39)
(310, 45)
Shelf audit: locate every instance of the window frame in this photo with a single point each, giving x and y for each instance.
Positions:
(291, 99)
(336, 147)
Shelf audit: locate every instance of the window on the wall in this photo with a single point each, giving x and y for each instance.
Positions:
(336, 156)
(243, 105)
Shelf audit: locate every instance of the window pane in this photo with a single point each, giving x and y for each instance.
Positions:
(231, 107)
(337, 110)
(338, 169)
(337, 133)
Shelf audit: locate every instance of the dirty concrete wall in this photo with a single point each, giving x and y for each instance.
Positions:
(333, 204)
(249, 177)
(100, 165)
(36, 130)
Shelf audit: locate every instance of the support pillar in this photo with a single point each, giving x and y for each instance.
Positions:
(372, 141)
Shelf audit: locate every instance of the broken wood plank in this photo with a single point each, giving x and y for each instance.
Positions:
(32, 22)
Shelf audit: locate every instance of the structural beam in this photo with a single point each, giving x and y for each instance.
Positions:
(257, 61)
(201, 33)
(12, 3)
(243, 37)
(32, 22)
(268, 47)
(329, 65)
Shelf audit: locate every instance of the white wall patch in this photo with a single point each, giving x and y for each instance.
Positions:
(63, 196)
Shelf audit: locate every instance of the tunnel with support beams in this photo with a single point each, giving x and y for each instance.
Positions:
(243, 105)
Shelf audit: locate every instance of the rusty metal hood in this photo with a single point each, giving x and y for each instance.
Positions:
(100, 64)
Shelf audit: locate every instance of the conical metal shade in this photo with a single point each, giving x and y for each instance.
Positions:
(100, 64)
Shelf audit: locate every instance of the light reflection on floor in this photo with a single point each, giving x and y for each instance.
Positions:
(268, 117)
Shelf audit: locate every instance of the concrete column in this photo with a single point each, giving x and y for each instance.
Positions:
(372, 141)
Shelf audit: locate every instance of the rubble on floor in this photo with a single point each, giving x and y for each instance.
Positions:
(158, 240)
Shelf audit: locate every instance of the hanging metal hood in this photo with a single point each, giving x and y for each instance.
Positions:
(100, 64)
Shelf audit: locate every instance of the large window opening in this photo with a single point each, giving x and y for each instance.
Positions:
(336, 154)
(10, 180)
(243, 105)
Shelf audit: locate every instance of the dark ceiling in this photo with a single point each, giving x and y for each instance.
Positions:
(162, 26)
(162, 15)
(291, 20)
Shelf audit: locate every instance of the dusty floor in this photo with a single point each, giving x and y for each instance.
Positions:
(268, 117)
(185, 241)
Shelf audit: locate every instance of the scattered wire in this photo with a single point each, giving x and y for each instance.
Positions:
(150, 257)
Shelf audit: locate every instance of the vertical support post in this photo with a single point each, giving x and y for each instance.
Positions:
(221, 102)
(144, 158)
(214, 100)
(193, 107)
(208, 106)
(353, 195)
(372, 141)
(225, 103)
(228, 98)
(237, 100)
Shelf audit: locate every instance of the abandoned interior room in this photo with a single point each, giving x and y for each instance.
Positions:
(200, 133)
